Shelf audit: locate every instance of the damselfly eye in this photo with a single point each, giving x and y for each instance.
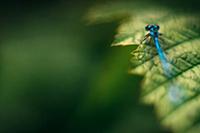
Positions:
(147, 27)
(157, 27)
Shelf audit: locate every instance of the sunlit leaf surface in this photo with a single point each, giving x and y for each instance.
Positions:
(176, 98)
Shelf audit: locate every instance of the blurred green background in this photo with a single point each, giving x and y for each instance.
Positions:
(58, 74)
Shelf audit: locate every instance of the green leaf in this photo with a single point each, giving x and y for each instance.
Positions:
(176, 98)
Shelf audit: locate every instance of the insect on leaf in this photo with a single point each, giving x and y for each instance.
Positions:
(176, 98)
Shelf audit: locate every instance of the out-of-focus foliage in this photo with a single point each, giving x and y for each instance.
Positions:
(59, 75)
(176, 98)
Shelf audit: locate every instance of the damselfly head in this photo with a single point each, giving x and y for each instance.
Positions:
(153, 27)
